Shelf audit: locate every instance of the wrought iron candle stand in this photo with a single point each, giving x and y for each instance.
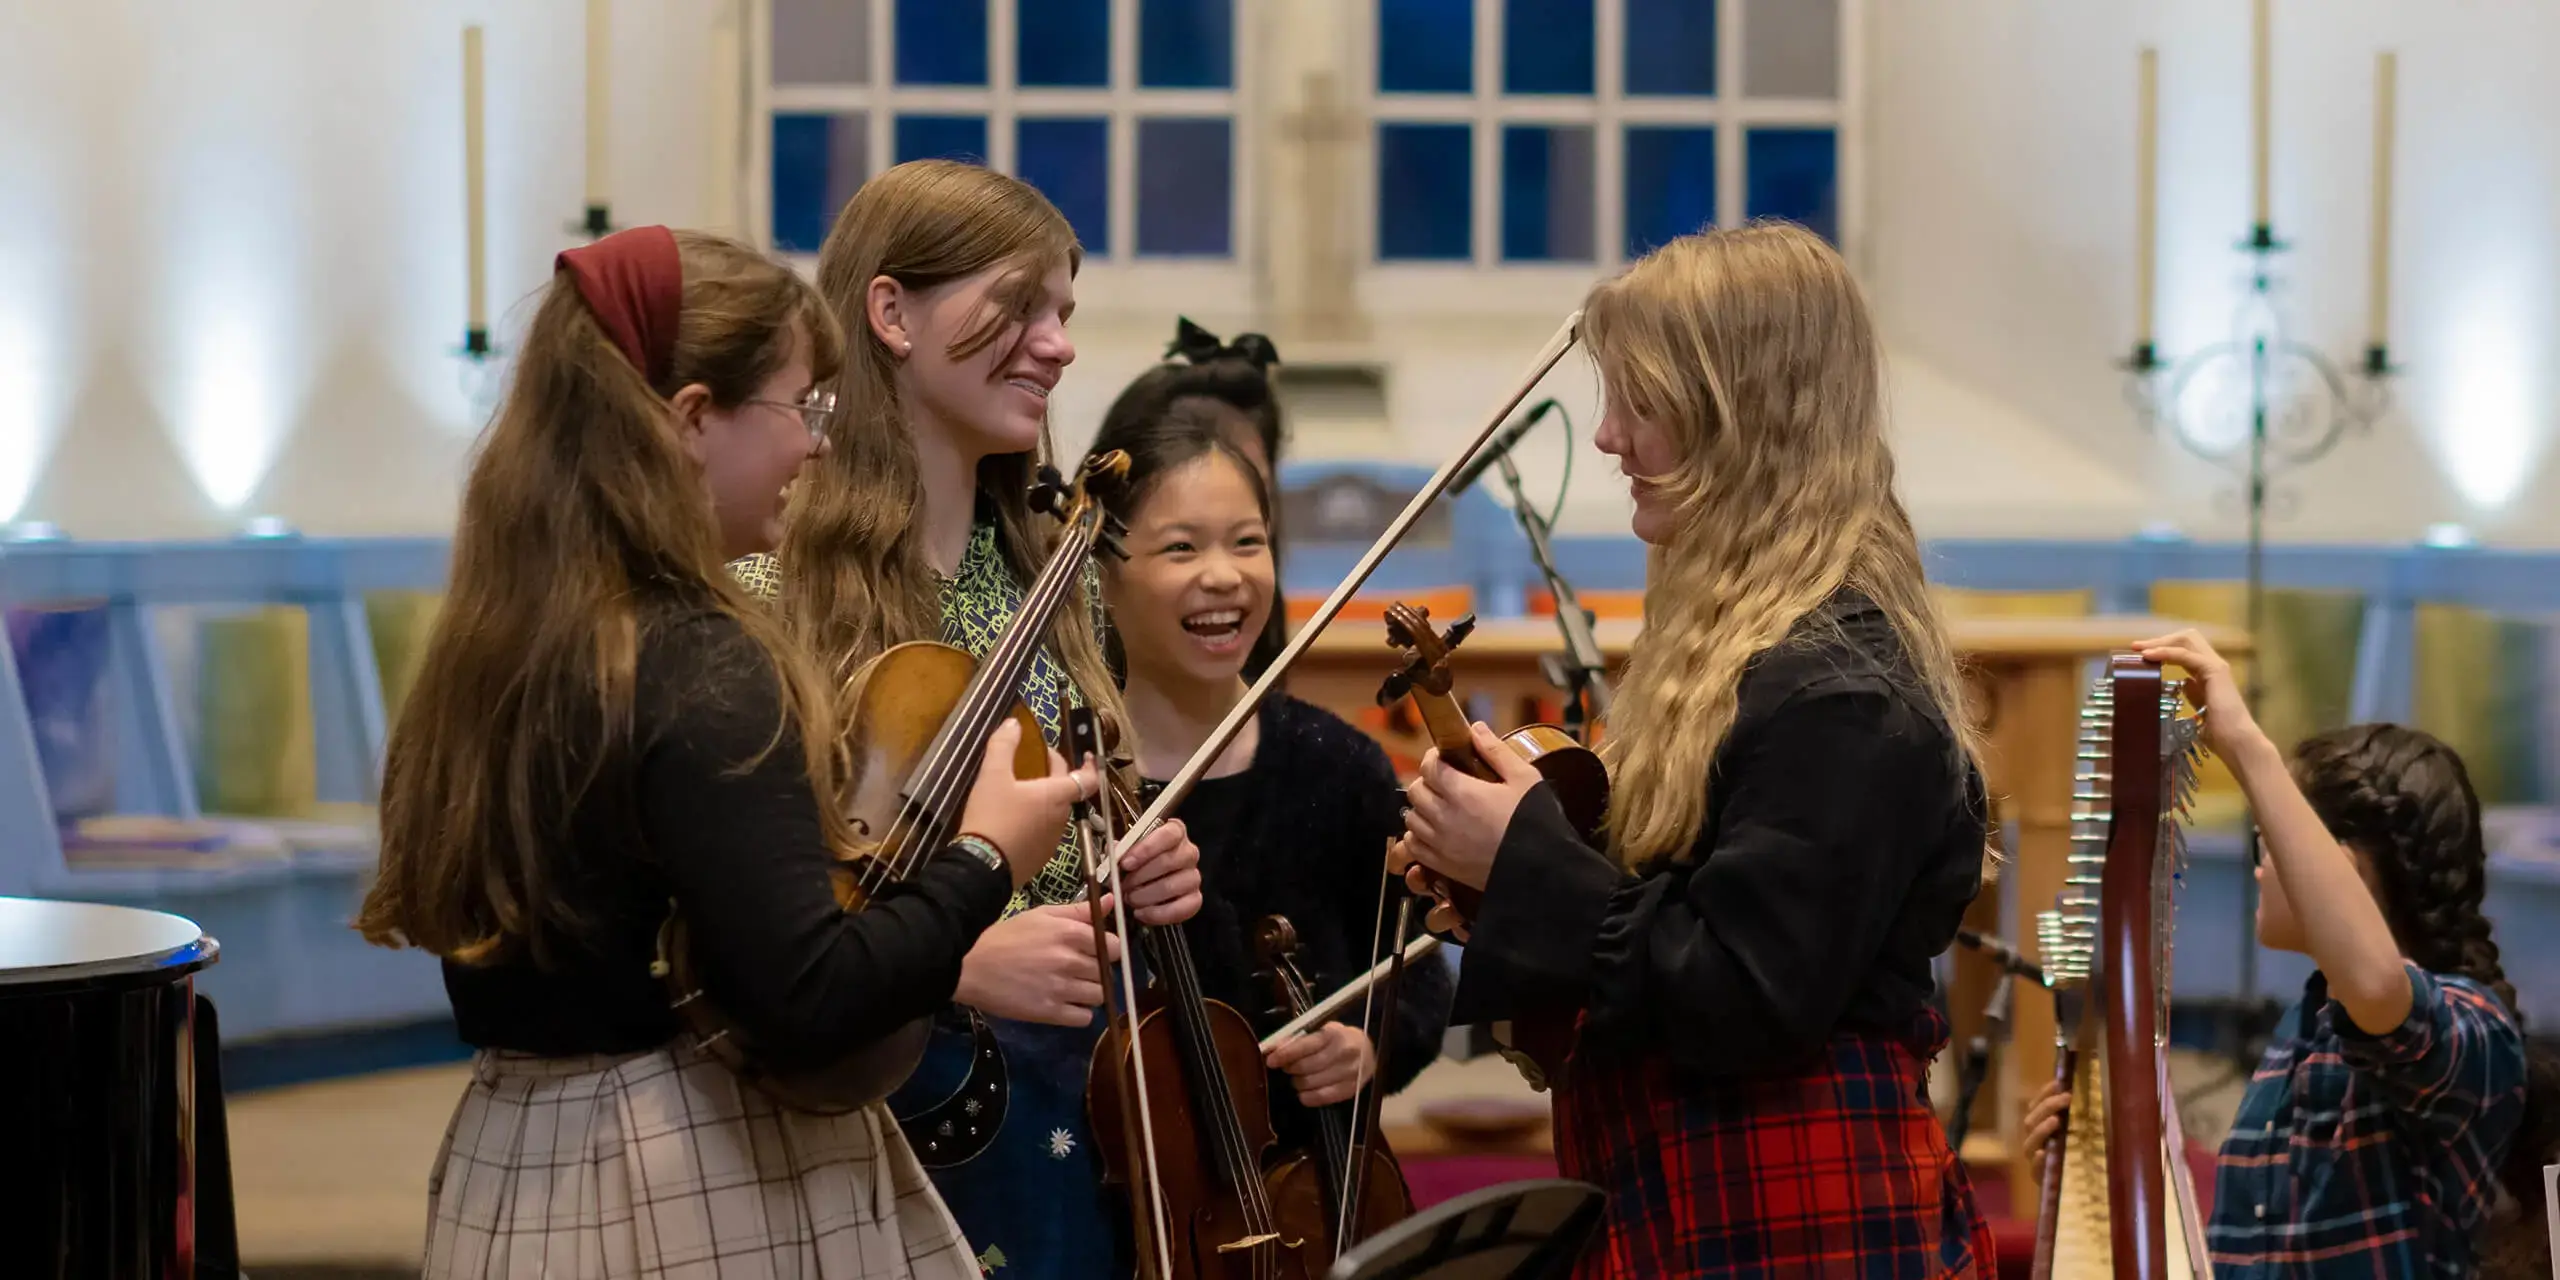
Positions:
(2259, 404)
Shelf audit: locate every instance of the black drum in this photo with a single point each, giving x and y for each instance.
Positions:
(98, 1091)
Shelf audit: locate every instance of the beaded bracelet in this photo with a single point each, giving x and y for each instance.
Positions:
(984, 850)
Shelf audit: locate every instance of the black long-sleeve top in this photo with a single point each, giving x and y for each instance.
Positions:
(1302, 833)
(1843, 841)
(673, 817)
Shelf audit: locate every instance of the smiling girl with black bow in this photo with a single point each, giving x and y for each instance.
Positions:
(1294, 817)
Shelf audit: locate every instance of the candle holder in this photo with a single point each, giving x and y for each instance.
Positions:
(481, 370)
(2260, 404)
(596, 225)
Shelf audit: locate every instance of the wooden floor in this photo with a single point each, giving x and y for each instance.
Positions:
(332, 1177)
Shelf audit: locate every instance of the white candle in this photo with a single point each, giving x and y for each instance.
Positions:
(2386, 101)
(2146, 196)
(474, 183)
(2260, 55)
(599, 98)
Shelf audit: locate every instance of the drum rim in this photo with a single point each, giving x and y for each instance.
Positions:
(165, 965)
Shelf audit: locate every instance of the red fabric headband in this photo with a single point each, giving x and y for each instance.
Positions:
(634, 283)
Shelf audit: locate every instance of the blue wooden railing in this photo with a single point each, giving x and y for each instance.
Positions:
(291, 964)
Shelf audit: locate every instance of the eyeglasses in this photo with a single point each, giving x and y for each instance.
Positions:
(816, 410)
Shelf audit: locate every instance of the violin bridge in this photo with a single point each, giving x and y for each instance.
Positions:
(1250, 1242)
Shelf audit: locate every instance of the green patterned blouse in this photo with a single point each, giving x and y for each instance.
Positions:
(977, 603)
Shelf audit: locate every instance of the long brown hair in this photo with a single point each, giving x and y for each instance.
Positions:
(1753, 348)
(581, 511)
(855, 580)
(2403, 800)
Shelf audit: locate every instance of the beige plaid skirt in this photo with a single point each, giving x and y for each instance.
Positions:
(661, 1165)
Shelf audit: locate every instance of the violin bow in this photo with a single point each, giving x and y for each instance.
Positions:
(1179, 788)
(1368, 1095)
(1095, 836)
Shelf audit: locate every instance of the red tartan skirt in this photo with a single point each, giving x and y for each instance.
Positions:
(1837, 1169)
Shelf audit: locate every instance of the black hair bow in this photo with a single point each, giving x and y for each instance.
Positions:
(1199, 346)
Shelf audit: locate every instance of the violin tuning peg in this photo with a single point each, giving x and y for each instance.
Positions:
(1460, 629)
(1393, 689)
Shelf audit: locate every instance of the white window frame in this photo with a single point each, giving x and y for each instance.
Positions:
(1114, 277)
(1488, 284)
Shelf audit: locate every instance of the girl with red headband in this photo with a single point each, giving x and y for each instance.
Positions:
(607, 722)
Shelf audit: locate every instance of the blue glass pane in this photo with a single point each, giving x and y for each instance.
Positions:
(1186, 44)
(818, 161)
(1794, 174)
(1546, 193)
(942, 41)
(1671, 184)
(1671, 46)
(1546, 46)
(1186, 187)
(1426, 46)
(1426, 174)
(941, 138)
(1070, 161)
(1063, 43)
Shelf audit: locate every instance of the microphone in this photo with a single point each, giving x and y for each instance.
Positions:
(1499, 445)
(2001, 953)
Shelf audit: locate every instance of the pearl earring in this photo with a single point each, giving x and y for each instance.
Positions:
(907, 348)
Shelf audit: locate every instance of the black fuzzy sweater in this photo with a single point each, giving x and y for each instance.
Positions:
(1302, 833)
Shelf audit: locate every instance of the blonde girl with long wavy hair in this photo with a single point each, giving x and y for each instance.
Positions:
(606, 723)
(1797, 817)
(954, 285)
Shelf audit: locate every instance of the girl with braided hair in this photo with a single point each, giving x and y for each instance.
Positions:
(2375, 1134)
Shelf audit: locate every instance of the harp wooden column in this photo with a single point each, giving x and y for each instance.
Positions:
(2028, 676)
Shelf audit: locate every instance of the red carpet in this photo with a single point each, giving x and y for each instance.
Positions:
(1437, 1178)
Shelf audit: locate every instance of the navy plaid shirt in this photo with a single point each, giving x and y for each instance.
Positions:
(2371, 1155)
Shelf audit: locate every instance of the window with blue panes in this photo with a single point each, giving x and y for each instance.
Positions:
(1122, 112)
(1591, 131)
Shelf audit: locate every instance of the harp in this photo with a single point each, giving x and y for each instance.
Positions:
(2118, 1201)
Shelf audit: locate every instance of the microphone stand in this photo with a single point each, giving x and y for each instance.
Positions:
(1580, 670)
(1977, 1064)
(1995, 1016)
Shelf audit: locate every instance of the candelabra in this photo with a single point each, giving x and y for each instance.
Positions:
(2259, 403)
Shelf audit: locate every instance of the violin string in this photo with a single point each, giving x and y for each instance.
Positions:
(1105, 872)
(1229, 1136)
(1329, 1130)
(947, 774)
(1353, 1167)
(941, 774)
(1228, 1126)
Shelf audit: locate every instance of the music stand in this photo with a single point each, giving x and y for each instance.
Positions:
(1531, 1230)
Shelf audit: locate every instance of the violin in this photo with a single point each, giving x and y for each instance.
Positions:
(1362, 1191)
(1180, 1078)
(926, 711)
(1540, 1043)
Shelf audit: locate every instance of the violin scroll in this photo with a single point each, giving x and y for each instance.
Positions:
(1426, 652)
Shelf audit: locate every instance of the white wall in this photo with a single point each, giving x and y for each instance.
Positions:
(2002, 249)
(231, 242)
(231, 247)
